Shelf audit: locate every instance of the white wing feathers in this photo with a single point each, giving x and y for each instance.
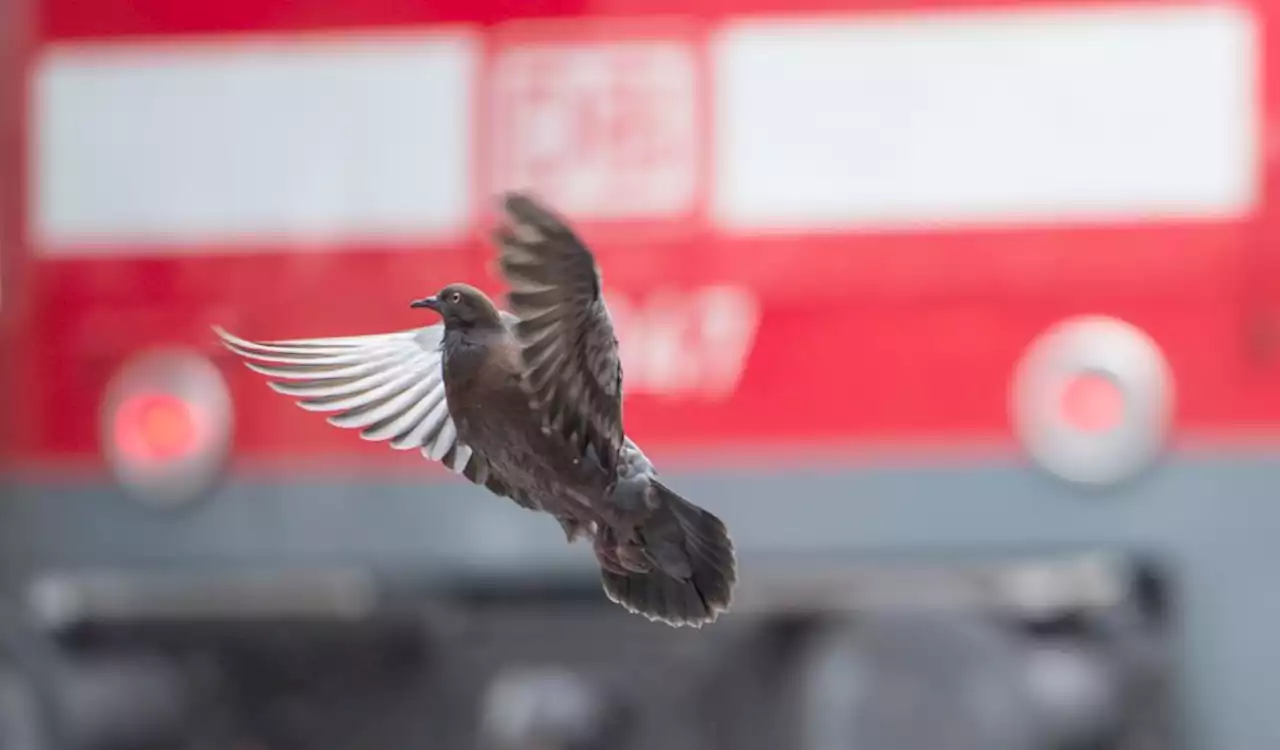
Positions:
(389, 386)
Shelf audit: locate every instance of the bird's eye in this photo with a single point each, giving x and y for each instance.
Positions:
(455, 297)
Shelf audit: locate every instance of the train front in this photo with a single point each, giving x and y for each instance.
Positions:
(963, 316)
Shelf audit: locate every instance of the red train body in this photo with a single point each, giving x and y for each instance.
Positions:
(836, 334)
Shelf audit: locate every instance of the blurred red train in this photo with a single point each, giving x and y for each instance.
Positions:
(830, 231)
(825, 226)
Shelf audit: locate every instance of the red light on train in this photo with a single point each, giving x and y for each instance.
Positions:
(156, 427)
(1092, 400)
(166, 427)
(1092, 403)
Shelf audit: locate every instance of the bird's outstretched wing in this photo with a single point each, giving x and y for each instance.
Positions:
(389, 386)
(574, 375)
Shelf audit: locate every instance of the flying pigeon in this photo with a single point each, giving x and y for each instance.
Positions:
(528, 404)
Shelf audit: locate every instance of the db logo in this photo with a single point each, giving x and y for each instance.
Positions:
(607, 130)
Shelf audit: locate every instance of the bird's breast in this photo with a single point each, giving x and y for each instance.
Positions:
(493, 415)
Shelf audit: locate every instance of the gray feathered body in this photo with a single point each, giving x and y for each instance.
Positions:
(528, 404)
(482, 376)
(660, 555)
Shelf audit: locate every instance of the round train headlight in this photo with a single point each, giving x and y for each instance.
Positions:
(1092, 400)
(166, 427)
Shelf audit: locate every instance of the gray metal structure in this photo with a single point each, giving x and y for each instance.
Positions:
(1210, 518)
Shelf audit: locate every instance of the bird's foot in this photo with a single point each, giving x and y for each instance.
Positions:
(607, 555)
(573, 529)
(633, 557)
(620, 556)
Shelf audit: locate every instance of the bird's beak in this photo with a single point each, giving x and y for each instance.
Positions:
(431, 303)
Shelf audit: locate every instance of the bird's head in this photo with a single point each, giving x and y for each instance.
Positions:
(462, 306)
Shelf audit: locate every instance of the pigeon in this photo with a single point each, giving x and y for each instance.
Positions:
(526, 402)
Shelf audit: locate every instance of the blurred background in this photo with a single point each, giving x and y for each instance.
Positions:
(963, 316)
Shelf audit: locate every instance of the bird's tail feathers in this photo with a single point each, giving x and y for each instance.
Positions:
(694, 566)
